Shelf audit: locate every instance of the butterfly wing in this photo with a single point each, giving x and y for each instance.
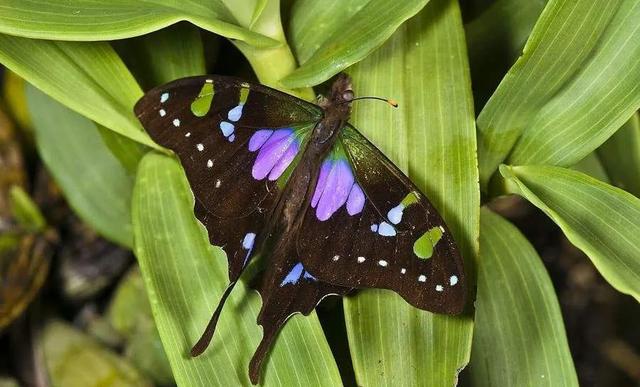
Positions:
(370, 227)
(236, 142)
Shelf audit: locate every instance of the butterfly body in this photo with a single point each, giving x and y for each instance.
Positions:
(295, 185)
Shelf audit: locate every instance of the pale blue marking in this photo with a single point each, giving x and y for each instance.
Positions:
(235, 114)
(374, 227)
(308, 276)
(247, 243)
(232, 137)
(294, 275)
(385, 229)
(395, 214)
(164, 97)
(227, 128)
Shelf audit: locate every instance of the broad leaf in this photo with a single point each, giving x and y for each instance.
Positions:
(329, 36)
(495, 39)
(94, 182)
(601, 220)
(573, 87)
(620, 156)
(163, 56)
(89, 78)
(88, 20)
(185, 276)
(432, 136)
(600, 97)
(519, 337)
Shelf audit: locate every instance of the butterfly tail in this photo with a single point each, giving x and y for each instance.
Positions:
(207, 335)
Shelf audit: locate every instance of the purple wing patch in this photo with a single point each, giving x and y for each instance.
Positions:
(276, 150)
(336, 186)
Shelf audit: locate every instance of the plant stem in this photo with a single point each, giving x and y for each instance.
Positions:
(272, 64)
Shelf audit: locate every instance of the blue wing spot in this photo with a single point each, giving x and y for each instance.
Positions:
(296, 273)
(227, 128)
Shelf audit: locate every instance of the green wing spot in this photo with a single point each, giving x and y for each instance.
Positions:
(244, 93)
(200, 107)
(411, 198)
(423, 246)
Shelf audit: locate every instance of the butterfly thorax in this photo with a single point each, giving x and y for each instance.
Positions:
(297, 196)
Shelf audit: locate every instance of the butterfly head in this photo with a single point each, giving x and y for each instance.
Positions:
(340, 97)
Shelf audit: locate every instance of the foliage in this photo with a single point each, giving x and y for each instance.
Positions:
(571, 94)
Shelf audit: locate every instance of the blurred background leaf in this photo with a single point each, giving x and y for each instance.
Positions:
(519, 337)
(75, 359)
(185, 276)
(601, 220)
(94, 182)
(89, 78)
(620, 156)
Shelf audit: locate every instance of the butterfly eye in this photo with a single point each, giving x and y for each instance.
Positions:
(347, 95)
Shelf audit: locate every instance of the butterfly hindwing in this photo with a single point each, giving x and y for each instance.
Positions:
(235, 141)
(369, 227)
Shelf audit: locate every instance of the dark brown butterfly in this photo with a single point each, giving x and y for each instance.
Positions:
(295, 184)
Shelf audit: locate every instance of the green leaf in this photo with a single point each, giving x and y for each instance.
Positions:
(88, 20)
(89, 78)
(163, 56)
(598, 100)
(519, 337)
(94, 182)
(601, 220)
(575, 84)
(592, 166)
(620, 156)
(185, 277)
(272, 64)
(432, 136)
(495, 39)
(74, 359)
(25, 211)
(332, 35)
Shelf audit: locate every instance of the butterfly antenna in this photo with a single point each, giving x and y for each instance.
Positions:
(390, 101)
(206, 337)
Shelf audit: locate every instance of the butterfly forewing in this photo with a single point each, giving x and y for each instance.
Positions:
(235, 141)
(369, 227)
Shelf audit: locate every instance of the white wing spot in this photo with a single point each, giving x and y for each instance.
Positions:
(209, 163)
(164, 97)
(162, 112)
(442, 229)
(374, 227)
(176, 122)
(453, 280)
(403, 270)
(361, 259)
(422, 278)
(382, 263)
(209, 81)
(439, 288)
(335, 258)
(200, 147)
(188, 134)
(218, 183)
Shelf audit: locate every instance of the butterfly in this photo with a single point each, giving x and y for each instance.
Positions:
(294, 185)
